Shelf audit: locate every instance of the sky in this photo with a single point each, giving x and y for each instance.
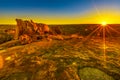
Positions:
(60, 11)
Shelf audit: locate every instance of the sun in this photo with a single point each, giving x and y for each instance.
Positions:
(104, 23)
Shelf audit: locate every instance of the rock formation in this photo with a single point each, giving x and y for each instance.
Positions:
(29, 31)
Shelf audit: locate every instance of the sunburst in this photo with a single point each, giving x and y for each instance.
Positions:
(104, 23)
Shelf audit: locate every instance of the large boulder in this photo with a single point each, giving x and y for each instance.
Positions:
(93, 74)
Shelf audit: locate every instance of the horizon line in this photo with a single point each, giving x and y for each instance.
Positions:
(70, 24)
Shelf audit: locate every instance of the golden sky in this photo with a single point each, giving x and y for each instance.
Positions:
(96, 15)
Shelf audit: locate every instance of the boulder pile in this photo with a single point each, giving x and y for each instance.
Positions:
(29, 31)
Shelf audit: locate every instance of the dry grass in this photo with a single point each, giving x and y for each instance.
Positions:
(61, 60)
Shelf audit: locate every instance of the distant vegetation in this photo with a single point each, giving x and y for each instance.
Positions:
(85, 29)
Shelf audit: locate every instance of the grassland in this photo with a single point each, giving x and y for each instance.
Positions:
(68, 59)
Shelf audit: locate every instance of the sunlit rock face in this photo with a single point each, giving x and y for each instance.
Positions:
(30, 27)
(29, 31)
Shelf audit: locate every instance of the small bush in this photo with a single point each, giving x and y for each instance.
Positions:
(5, 37)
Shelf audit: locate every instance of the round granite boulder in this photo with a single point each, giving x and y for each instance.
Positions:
(93, 74)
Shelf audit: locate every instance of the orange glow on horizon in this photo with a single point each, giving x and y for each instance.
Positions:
(104, 24)
(88, 17)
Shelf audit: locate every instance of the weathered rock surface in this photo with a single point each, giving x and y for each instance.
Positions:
(28, 31)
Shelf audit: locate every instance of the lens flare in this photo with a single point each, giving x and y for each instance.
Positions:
(104, 23)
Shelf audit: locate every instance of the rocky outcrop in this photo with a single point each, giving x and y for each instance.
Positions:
(29, 31)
